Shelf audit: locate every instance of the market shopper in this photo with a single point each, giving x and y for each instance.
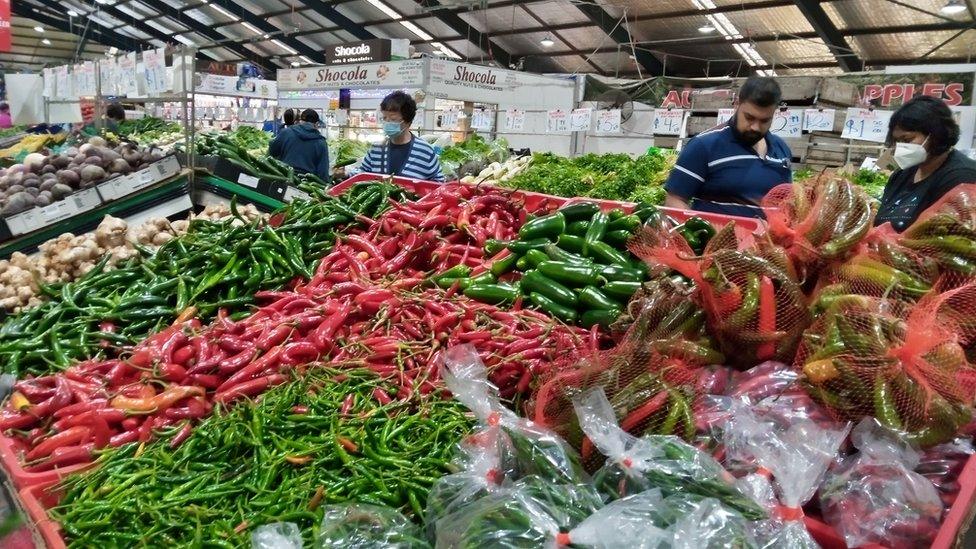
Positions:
(303, 147)
(403, 153)
(730, 168)
(5, 121)
(114, 115)
(924, 134)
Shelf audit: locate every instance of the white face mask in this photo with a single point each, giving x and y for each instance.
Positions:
(908, 155)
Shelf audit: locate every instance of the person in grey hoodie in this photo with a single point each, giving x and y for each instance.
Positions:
(302, 147)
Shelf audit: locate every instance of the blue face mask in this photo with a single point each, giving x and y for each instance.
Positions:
(392, 129)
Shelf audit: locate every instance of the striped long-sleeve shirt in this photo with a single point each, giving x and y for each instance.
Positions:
(422, 162)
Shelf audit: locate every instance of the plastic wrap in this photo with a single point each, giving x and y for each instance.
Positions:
(796, 456)
(876, 497)
(530, 513)
(710, 525)
(278, 535)
(943, 464)
(622, 524)
(530, 449)
(653, 461)
(361, 526)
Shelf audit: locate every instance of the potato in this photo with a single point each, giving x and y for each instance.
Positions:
(19, 202)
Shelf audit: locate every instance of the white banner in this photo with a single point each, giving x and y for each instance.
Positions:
(154, 65)
(236, 86)
(492, 85)
(787, 123)
(394, 74)
(62, 89)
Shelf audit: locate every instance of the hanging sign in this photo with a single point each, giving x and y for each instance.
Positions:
(154, 63)
(866, 124)
(128, 85)
(62, 89)
(787, 123)
(4, 25)
(48, 75)
(85, 79)
(481, 119)
(557, 121)
(580, 120)
(366, 51)
(106, 76)
(818, 120)
(514, 120)
(448, 120)
(724, 115)
(396, 74)
(668, 121)
(608, 121)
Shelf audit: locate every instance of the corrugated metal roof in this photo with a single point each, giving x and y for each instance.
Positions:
(553, 13)
(882, 13)
(786, 52)
(644, 7)
(908, 46)
(784, 20)
(498, 19)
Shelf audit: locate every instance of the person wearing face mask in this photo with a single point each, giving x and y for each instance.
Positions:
(402, 153)
(730, 168)
(923, 133)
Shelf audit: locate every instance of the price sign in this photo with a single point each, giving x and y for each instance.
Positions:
(668, 121)
(449, 120)
(557, 121)
(867, 125)
(819, 120)
(127, 74)
(481, 119)
(106, 74)
(514, 120)
(580, 120)
(85, 79)
(63, 85)
(724, 115)
(48, 83)
(608, 121)
(787, 123)
(154, 62)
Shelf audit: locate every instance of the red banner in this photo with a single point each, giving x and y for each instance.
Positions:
(4, 25)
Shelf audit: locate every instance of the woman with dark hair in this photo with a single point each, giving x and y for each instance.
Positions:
(924, 134)
(403, 153)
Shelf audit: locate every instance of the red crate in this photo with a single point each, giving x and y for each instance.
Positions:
(10, 452)
(36, 500)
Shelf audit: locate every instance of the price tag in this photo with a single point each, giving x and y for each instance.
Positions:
(870, 163)
(787, 123)
(248, 180)
(154, 62)
(608, 121)
(724, 115)
(580, 120)
(127, 74)
(818, 120)
(449, 120)
(481, 119)
(668, 121)
(55, 211)
(514, 120)
(557, 121)
(291, 194)
(49, 83)
(867, 125)
(146, 177)
(62, 88)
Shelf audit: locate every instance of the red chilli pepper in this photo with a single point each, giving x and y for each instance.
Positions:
(641, 414)
(268, 360)
(72, 436)
(181, 436)
(248, 388)
(766, 317)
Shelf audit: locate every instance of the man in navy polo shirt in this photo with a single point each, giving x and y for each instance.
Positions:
(730, 168)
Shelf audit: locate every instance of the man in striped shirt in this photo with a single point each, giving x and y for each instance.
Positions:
(403, 153)
(730, 168)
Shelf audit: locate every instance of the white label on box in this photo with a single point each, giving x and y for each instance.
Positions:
(818, 120)
(146, 176)
(248, 180)
(866, 124)
(54, 212)
(291, 193)
(668, 121)
(608, 121)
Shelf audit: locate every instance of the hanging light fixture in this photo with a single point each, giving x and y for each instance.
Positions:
(46, 42)
(706, 28)
(72, 13)
(953, 7)
(547, 41)
(295, 63)
(39, 28)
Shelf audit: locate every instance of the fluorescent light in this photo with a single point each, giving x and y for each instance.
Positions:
(266, 36)
(546, 41)
(445, 51)
(704, 29)
(631, 56)
(72, 13)
(39, 29)
(46, 42)
(251, 27)
(295, 64)
(953, 7)
(390, 12)
(306, 59)
(284, 46)
(101, 1)
(416, 30)
(224, 12)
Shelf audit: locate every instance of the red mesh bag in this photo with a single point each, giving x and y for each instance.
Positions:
(945, 234)
(651, 377)
(749, 291)
(903, 363)
(818, 220)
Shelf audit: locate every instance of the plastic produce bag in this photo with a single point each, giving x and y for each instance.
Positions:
(709, 525)
(278, 535)
(361, 526)
(943, 464)
(876, 497)
(530, 449)
(653, 461)
(530, 513)
(795, 457)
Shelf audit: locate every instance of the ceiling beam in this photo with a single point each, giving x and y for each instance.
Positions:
(617, 30)
(455, 23)
(827, 31)
(101, 34)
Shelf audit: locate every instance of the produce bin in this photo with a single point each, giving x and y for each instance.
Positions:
(9, 451)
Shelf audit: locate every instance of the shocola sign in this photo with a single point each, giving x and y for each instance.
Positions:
(367, 51)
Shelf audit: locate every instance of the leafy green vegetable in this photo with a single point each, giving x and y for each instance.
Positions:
(471, 156)
(347, 151)
(872, 181)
